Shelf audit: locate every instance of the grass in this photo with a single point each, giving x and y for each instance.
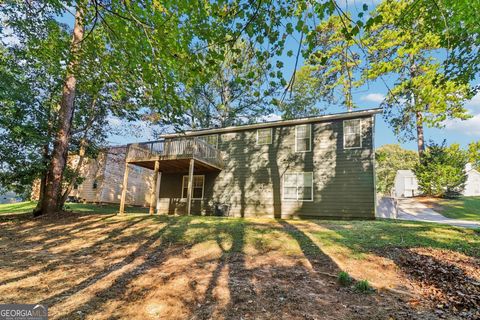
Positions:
(27, 207)
(141, 266)
(464, 208)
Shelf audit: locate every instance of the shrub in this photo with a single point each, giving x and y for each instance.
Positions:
(388, 160)
(441, 170)
(363, 286)
(344, 278)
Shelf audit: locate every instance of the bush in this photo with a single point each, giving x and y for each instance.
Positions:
(344, 278)
(363, 286)
(441, 170)
(388, 160)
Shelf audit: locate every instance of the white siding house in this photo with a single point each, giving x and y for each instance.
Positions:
(472, 187)
(406, 184)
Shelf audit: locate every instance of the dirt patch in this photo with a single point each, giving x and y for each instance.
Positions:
(449, 281)
(110, 267)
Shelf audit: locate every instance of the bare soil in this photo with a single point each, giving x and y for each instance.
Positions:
(108, 267)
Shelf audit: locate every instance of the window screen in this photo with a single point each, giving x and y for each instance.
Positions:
(198, 184)
(303, 138)
(298, 186)
(352, 137)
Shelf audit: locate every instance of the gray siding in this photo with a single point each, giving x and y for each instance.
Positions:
(251, 183)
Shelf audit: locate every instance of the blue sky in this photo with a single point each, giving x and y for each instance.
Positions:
(462, 132)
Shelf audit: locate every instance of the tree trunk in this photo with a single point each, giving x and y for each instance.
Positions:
(51, 200)
(81, 158)
(43, 181)
(420, 136)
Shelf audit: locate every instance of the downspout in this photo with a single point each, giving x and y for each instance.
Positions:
(374, 171)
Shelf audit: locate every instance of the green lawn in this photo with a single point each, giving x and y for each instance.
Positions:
(464, 208)
(27, 207)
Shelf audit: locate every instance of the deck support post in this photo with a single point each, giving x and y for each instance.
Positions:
(190, 187)
(153, 193)
(124, 189)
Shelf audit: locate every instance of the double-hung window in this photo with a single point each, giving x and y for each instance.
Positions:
(264, 136)
(198, 186)
(303, 138)
(352, 134)
(298, 186)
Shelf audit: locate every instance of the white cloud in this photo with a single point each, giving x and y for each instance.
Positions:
(373, 97)
(474, 103)
(270, 117)
(469, 127)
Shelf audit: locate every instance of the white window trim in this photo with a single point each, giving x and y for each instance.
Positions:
(361, 138)
(203, 186)
(296, 200)
(309, 140)
(271, 136)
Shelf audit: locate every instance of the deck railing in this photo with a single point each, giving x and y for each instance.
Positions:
(170, 149)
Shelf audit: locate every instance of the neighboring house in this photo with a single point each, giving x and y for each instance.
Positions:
(406, 184)
(9, 197)
(103, 179)
(472, 186)
(104, 176)
(318, 166)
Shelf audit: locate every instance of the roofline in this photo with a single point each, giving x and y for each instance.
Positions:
(278, 123)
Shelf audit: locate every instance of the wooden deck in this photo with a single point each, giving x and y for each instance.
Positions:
(174, 155)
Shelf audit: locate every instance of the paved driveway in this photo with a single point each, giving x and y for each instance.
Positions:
(410, 209)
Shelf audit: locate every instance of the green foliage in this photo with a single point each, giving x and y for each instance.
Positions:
(344, 278)
(363, 286)
(441, 170)
(388, 160)
(303, 97)
(422, 94)
(335, 59)
(456, 25)
(474, 154)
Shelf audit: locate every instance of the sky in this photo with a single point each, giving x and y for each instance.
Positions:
(456, 131)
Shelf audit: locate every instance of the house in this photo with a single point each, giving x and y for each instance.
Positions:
(406, 184)
(472, 186)
(319, 166)
(103, 177)
(9, 197)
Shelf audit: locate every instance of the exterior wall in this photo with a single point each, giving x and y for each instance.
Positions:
(472, 186)
(251, 182)
(9, 197)
(108, 170)
(406, 184)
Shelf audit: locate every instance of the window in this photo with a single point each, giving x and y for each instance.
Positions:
(352, 136)
(303, 138)
(95, 184)
(264, 136)
(198, 184)
(298, 186)
(211, 140)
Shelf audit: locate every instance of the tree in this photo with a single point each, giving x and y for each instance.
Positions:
(239, 91)
(456, 25)
(474, 154)
(336, 60)
(389, 159)
(441, 170)
(423, 94)
(303, 97)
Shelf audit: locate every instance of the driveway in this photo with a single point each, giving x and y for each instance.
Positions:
(410, 209)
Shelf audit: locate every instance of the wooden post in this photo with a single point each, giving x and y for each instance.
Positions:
(124, 189)
(153, 193)
(190, 187)
(157, 193)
